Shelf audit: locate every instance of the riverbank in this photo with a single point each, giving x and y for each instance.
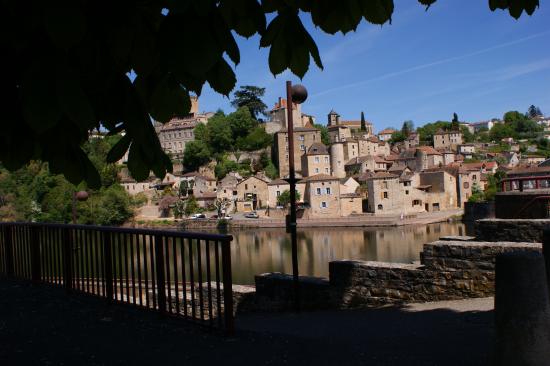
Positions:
(43, 325)
(364, 220)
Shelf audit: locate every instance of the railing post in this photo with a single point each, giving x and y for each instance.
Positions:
(546, 254)
(159, 264)
(227, 287)
(8, 240)
(108, 266)
(35, 255)
(67, 246)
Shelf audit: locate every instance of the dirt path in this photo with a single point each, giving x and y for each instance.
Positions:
(44, 326)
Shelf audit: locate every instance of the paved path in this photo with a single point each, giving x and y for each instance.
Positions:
(44, 326)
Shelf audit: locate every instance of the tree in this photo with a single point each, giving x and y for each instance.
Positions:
(363, 122)
(501, 130)
(220, 136)
(87, 49)
(191, 206)
(467, 136)
(257, 139)
(196, 154)
(533, 112)
(284, 198)
(251, 97)
(455, 126)
(511, 117)
(477, 194)
(325, 137)
(407, 128)
(398, 136)
(426, 132)
(241, 122)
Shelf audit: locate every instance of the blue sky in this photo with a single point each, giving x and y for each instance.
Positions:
(456, 57)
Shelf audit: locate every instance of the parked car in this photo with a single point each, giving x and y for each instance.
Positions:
(214, 216)
(227, 217)
(198, 216)
(252, 215)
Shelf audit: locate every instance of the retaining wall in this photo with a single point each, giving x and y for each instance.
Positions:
(521, 230)
(448, 270)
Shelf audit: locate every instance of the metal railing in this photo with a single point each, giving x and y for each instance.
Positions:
(176, 273)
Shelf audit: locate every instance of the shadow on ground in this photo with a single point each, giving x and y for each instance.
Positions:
(41, 325)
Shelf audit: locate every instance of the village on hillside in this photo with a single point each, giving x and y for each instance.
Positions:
(345, 168)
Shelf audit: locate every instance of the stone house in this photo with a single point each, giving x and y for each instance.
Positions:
(385, 194)
(373, 146)
(133, 187)
(304, 137)
(360, 165)
(322, 192)
(339, 133)
(316, 160)
(204, 184)
(447, 139)
(333, 119)
(385, 134)
(227, 189)
(348, 185)
(440, 188)
(252, 194)
(277, 186)
(427, 157)
(351, 204)
(412, 141)
(467, 150)
(351, 149)
(531, 159)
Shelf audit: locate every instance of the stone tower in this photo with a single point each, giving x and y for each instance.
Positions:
(337, 162)
(333, 118)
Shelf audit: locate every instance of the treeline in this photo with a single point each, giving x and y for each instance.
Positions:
(34, 194)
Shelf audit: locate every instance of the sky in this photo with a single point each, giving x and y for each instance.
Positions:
(456, 57)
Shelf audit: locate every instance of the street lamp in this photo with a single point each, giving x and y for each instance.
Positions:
(294, 94)
(78, 196)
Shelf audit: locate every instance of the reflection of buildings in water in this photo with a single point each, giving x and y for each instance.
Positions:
(269, 250)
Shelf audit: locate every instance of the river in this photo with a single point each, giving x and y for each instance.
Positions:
(257, 251)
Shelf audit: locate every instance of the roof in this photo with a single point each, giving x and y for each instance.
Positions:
(277, 182)
(336, 127)
(381, 175)
(349, 195)
(205, 178)
(190, 174)
(378, 159)
(317, 148)
(206, 196)
(479, 165)
(358, 160)
(428, 150)
(333, 112)
(423, 186)
(253, 176)
(319, 178)
(534, 169)
(387, 131)
(299, 129)
(443, 132)
(364, 177)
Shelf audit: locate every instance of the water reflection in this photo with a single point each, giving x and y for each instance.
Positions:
(257, 251)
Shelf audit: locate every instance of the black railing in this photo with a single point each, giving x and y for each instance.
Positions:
(177, 273)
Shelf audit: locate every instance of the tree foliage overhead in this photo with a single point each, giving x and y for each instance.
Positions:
(251, 97)
(67, 61)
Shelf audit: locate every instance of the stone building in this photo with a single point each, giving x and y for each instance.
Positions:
(447, 139)
(337, 160)
(304, 138)
(316, 160)
(203, 184)
(277, 186)
(427, 157)
(323, 195)
(334, 120)
(339, 133)
(373, 146)
(252, 194)
(278, 115)
(412, 141)
(385, 134)
(176, 133)
(360, 165)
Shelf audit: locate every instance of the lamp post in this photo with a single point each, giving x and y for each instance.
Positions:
(294, 94)
(78, 196)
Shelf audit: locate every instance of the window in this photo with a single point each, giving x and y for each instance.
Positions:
(246, 186)
(385, 194)
(302, 138)
(326, 171)
(380, 207)
(326, 159)
(407, 192)
(317, 170)
(466, 185)
(318, 191)
(316, 159)
(385, 185)
(302, 147)
(474, 177)
(416, 203)
(278, 193)
(324, 204)
(328, 190)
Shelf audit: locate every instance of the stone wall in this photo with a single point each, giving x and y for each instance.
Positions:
(529, 204)
(448, 270)
(521, 230)
(478, 210)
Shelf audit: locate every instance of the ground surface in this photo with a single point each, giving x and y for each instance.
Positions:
(43, 325)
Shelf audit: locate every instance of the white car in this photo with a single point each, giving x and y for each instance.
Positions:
(198, 216)
(227, 217)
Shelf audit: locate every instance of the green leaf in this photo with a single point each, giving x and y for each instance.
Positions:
(72, 98)
(117, 152)
(137, 163)
(378, 11)
(222, 78)
(168, 99)
(65, 22)
(40, 107)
